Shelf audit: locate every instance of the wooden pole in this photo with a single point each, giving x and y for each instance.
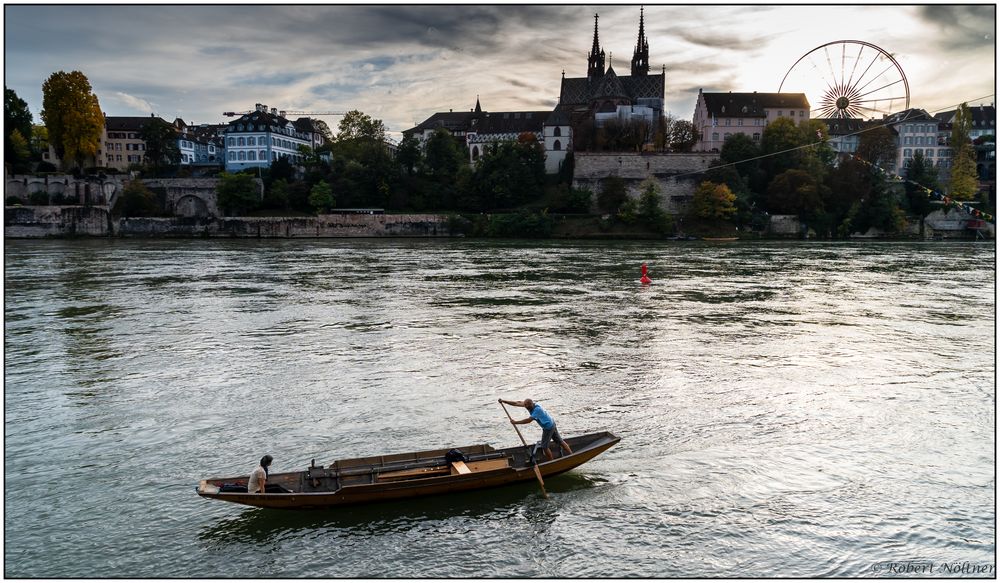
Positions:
(538, 473)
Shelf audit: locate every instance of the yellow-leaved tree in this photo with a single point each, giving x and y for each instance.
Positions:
(713, 201)
(72, 116)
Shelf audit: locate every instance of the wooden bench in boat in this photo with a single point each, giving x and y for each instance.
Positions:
(453, 469)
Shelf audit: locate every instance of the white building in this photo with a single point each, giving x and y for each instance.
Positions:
(260, 137)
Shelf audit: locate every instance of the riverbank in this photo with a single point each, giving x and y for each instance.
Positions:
(44, 222)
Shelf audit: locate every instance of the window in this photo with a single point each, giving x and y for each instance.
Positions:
(779, 113)
(232, 156)
(232, 142)
(929, 153)
(907, 153)
(262, 155)
(118, 147)
(240, 141)
(251, 141)
(274, 155)
(251, 155)
(242, 156)
(118, 158)
(802, 113)
(756, 137)
(739, 121)
(557, 145)
(727, 121)
(715, 136)
(274, 142)
(557, 131)
(475, 151)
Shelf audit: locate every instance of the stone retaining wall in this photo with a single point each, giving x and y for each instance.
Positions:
(677, 175)
(67, 221)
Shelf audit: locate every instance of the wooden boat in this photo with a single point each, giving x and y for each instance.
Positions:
(406, 475)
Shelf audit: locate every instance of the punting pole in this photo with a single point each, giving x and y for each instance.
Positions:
(538, 473)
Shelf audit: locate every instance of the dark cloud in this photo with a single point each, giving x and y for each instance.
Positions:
(714, 40)
(962, 27)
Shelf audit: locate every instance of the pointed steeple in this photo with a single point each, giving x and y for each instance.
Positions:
(478, 108)
(640, 58)
(595, 61)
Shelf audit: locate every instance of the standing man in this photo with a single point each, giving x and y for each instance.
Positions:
(546, 422)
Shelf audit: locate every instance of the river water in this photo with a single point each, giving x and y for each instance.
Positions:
(786, 409)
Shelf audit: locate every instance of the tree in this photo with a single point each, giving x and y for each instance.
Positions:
(683, 136)
(18, 153)
(612, 194)
(276, 196)
(39, 139)
(780, 144)
(16, 117)
(920, 174)
(408, 155)
(72, 115)
(356, 125)
(877, 146)
(508, 174)
(321, 196)
(796, 192)
(443, 155)
(237, 193)
(963, 183)
(161, 144)
(713, 201)
(136, 201)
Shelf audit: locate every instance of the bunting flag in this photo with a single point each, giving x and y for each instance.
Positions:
(947, 200)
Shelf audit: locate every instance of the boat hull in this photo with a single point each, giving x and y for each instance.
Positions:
(365, 491)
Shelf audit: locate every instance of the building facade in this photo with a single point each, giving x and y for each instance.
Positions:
(720, 115)
(261, 137)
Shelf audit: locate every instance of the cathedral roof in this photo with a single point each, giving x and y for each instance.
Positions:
(505, 122)
(581, 90)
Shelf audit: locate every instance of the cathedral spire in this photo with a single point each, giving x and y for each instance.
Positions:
(640, 58)
(478, 108)
(595, 61)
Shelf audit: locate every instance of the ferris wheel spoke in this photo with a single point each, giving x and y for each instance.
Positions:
(877, 77)
(881, 88)
(900, 98)
(829, 63)
(856, 61)
(868, 68)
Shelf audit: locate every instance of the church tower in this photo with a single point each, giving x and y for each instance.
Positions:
(595, 61)
(640, 59)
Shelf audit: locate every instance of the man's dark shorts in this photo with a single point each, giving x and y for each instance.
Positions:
(548, 434)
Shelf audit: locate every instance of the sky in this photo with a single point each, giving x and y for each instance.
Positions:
(402, 63)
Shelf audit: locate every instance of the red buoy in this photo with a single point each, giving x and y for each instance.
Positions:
(645, 278)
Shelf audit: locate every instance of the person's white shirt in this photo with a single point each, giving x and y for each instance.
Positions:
(257, 479)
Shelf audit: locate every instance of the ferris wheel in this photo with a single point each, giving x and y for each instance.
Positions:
(849, 79)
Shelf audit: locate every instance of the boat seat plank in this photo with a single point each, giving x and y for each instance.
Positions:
(414, 473)
(459, 467)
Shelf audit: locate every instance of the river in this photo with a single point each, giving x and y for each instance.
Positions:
(788, 409)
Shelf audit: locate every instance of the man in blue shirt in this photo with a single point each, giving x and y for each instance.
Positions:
(545, 420)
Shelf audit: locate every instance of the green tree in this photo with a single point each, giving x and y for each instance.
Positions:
(356, 125)
(16, 117)
(612, 194)
(276, 196)
(162, 150)
(321, 196)
(443, 155)
(72, 115)
(683, 136)
(136, 200)
(18, 153)
(39, 139)
(796, 192)
(963, 183)
(408, 155)
(507, 175)
(920, 175)
(237, 193)
(713, 201)
(877, 145)
(780, 144)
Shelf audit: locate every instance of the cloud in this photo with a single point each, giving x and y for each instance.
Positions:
(133, 102)
(962, 27)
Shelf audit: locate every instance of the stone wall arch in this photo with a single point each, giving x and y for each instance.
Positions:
(191, 206)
